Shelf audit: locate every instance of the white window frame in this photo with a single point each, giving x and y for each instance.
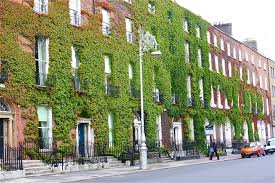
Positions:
(217, 63)
(48, 127)
(246, 56)
(248, 76)
(41, 6)
(223, 67)
(185, 25)
(187, 52)
(111, 129)
(189, 85)
(253, 79)
(260, 63)
(208, 37)
(210, 61)
(215, 40)
(252, 59)
(213, 105)
(261, 83)
(264, 66)
(265, 82)
(234, 53)
(267, 107)
(43, 63)
(241, 72)
(228, 49)
(75, 12)
(229, 69)
(199, 58)
(222, 44)
(198, 31)
(201, 89)
(240, 55)
(106, 22)
(129, 30)
(108, 71)
(151, 8)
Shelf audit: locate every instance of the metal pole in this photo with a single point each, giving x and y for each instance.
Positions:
(143, 148)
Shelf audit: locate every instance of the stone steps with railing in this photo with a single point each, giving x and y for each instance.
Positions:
(36, 168)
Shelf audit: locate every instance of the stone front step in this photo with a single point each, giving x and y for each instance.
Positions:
(35, 168)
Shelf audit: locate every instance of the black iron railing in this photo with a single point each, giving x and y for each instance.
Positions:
(10, 158)
(174, 99)
(185, 150)
(130, 37)
(190, 102)
(41, 6)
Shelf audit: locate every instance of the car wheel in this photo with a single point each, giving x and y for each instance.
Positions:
(243, 156)
(266, 152)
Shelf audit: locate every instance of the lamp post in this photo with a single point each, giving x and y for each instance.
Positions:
(146, 43)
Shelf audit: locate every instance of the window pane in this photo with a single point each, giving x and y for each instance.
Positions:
(42, 112)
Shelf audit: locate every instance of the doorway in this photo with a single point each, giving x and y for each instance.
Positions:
(82, 138)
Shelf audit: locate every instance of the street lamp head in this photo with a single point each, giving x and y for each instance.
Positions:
(156, 53)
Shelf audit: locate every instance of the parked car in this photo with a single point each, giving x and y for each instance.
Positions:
(270, 146)
(252, 149)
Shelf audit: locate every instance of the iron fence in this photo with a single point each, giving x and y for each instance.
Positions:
(185, 150)
(10, 158)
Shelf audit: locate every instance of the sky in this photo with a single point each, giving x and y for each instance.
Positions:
(249, 18)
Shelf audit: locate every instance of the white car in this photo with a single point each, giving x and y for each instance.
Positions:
(270, 146)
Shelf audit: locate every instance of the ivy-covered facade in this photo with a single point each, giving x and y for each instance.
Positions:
(73, 75)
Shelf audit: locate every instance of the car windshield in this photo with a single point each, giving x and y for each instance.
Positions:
(271, 143)
(252, 144)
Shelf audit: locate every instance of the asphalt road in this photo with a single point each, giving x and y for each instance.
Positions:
(250, 170)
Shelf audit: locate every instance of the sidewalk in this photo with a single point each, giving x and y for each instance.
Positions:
(84, 175)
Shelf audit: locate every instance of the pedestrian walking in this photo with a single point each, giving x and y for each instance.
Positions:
(213, 149)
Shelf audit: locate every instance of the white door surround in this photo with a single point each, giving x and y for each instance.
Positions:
(176, 133)
(89, 136)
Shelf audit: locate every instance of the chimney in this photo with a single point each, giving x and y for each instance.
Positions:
(224, 27)
(251, 43)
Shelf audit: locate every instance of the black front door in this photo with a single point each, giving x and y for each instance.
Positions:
(1, 137)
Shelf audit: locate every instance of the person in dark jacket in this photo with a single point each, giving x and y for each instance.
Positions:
(213, 150)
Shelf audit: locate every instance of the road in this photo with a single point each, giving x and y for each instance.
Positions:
(250, 170)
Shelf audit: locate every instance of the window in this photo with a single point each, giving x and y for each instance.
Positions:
(186, 46)
(128, 1)
(185, 25)
(265, 83)
(222, 44)
(252, 59)
(129, 30)
(260, 63)
(217, 63)
(246, 56)
(106, 22)
(215, 40)
(210, 62)
(107, 73)
(229, 69)
(219, 98)
(199, 58)
(151, 7)
(272, 72)
(75, 12)
(261, 85)
(208, 37)
(264, 66)
(241, 72)
(273, 91)
(111, 129)
(248, 77)
(234, 53)
(212, 98)
(240, 55)
(273, 111)
(40, 6)
(198, 31)
(253, 79)
(45, 127)
(75, 67)
(189, 95)
(228, 49)
(223, 67)
(267, 107)
(201, 89)
(42, 60)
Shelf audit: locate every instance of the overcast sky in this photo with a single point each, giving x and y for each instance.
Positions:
(249, 18)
